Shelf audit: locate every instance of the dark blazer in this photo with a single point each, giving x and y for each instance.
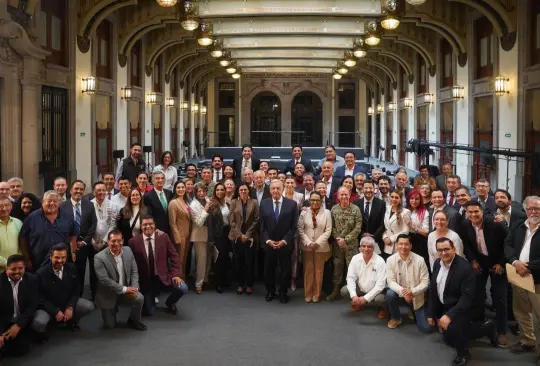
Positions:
(305, 161)
(165, 255)
(458, 292)
(215, 225)
(88, 218)
(91, 195)
(494, 235)
(58, 294)
(454, 219)
(514, 243)
(155, 208)
(517, 213)
(266, 193)
(490, 207)
(336, 183)
(125, 226)
(28, 300)
(286, 225)
(238, 224)
(375, 224)
(237, 165)
(340, 171)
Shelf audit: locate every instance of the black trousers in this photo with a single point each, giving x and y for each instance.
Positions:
(84, 254)
(149, 307)
(272, 258)
(222, 263)
(243, 262)
(19, 346)
(461, 331)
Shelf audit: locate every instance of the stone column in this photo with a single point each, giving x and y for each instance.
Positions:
(148, 125)
(334, 128)
(31, 135)
(433, 128)
(412, 124)
(192, 116)
(396, 124)
(362, 116)
(201, 127)
(286, 121)
(166, 134)
(181, 122)
(212, 113)
(122, 127)
(463, 131)
(371, 119)
(382, 117)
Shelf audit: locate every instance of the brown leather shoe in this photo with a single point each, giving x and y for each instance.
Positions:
(198, 290)
(383, 313)
(519, 348)
(355, 308)
(502, 340)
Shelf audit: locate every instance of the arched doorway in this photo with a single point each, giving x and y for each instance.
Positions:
(266, 120)
(307, 116)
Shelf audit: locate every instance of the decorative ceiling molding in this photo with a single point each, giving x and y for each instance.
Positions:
(495, 12)
(370, 73)
(391, 74)
(406, 65)
(172, 61)
(428, 56)
(186, 70)
(158, 42)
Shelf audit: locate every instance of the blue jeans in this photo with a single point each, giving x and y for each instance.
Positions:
(394, 301)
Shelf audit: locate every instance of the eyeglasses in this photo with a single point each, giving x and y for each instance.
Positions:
(311, 200)
(444, 250)
(532, 209)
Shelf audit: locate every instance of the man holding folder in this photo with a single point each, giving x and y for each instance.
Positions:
(522, 250)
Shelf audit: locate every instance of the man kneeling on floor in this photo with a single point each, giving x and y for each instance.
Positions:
(60, 291)
(366, 278)
(408, 281)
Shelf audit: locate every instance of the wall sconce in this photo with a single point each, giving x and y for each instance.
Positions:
(370, 111)
(89, 85)
(126, 93)
(203, 110)
(170, 102)
(428, 98)
(379, 108)
(184, 105)
(457, 92)
(195, 108)
(392, 106)
(152, 98)
(500, 86)
(407, 102)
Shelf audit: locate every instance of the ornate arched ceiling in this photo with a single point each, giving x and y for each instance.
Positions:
(293, 36)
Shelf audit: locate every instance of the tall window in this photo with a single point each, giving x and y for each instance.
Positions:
(135, 67)
(447, 74)
(156, 75)
(53, 30)
(389, 90)
(103, 39)
(535, 34)
(346, 95)
(174, 84)
(422, 73)
(484, 48)
(404, 83)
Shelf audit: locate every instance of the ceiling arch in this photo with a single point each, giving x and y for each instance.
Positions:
(191, 65)
(138, 32)
(160, 49)
(399, 59)
(386, 69)
(428, 57)
(370, 73)
(213, 75)
(495, 12)
(448, 32)
(184, 56)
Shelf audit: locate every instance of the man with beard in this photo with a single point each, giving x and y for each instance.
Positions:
(384, 189)
(507, 211)
(308, 187)
(522, 250)
(131, 166)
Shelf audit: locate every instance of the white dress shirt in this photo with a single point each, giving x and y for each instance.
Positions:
(120, 269)
(171, 175)
(60, 273)
(526, 249)
(370, 277)
(74, 204)
(349, 171)
(225, 214)
(15, 289)
(441, 280)
(432, 245)
(215, 175)
(119, 200)
(246, 163)
(328, 186)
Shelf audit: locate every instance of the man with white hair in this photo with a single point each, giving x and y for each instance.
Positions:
(366, 277)
(261, 190)
(522, 250)
(15, 188)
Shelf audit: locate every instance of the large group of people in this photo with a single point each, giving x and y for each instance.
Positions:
(380, 241)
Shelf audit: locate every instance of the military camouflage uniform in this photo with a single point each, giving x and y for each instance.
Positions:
(347, 224)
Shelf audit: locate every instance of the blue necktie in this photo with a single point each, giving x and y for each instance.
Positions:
(366, 210)
(78, 216)
(276, 211)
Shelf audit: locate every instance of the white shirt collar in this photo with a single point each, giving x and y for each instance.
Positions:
(74, 203)
(280, 200)
(116, 256)
(13, 282)
(153, 237)
(158, 191)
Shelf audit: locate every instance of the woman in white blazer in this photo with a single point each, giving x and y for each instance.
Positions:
(199, 234)
(440, 218)
(396, 222)
(314, 229)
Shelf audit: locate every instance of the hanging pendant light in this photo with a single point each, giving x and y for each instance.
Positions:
(349, 60)
(167, 3)
(216, 50)
(416, 2)
(205, 35)
(188, 19)
(390, 22)
(391, 12)
(373, 37)
(360, 49)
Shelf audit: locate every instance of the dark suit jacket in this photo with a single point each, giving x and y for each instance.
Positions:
(237, 165)
(164, 254)
(336, 183)
(155, 208)
(454, 219)
(375, 224)
(88, 218)
(514, 243)
(340, 171)
(494, 235)
(491, 206)
(517, 213)
(458, 292)
(28, 299)
(266, 193)
(58, 294)
(291, 163)
(284, 228)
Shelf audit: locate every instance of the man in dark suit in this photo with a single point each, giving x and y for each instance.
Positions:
(278, 219)
(246, 161)
(297, 151)
(60, 292)
(401, 181)
(483, 245)
(322, 187)
(260, 190)
(60, 185)
(446, 170)
(350, 167)
(453, 182)
(450, 301)
(157, 202)
(327, 176)
(308, 186)
(507, 210)
(84, 214)
(437, 199)
(159, 267)
(522, 250)
(373, 210)
(482, 196)
(16, 314)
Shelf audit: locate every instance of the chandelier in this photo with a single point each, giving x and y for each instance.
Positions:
(188, 19)
(349, 60)
(342, 69)
(236, 75)
(225, 60)
(360, 49)
(416, 2)
(205, 35)
(231, 69)
(337, 75)
(167, 3)
(391, 12)
(216, 50)
(373, 34)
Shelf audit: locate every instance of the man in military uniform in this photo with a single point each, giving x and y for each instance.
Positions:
(347, 225)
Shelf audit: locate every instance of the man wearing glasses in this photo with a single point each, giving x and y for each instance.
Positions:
(482, 196)
(522, 250)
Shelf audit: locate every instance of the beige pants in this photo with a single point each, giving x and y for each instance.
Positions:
(203, 256)
(379, 300)
(524, 303)
(313, 272)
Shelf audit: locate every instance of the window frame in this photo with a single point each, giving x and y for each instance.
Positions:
(446, 49)
(58, 9)
(535, 34)
(404, 83)
(484, 29)
(104, 34)
(421, 88)
(156, 76)
(135, 79)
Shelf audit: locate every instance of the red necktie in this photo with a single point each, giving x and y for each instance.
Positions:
(451, 203)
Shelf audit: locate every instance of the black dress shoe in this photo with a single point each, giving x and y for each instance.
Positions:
(172, 309)
(461, 360)
(219, 289)
(283, 298)
(269, 296)
(74, 327)
(136, 325)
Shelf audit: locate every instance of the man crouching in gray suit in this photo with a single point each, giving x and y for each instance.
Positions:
(118, 282)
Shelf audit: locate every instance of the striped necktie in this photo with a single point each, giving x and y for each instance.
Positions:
(78, 216)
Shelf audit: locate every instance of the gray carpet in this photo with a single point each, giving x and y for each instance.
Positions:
(228, 329)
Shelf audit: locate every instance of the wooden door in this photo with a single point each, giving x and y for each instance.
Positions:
(157, 146)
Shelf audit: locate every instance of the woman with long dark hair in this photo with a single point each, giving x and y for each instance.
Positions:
(180, 222)
(27, 204)
(218, 234)
(200, 207)
(128, 222)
